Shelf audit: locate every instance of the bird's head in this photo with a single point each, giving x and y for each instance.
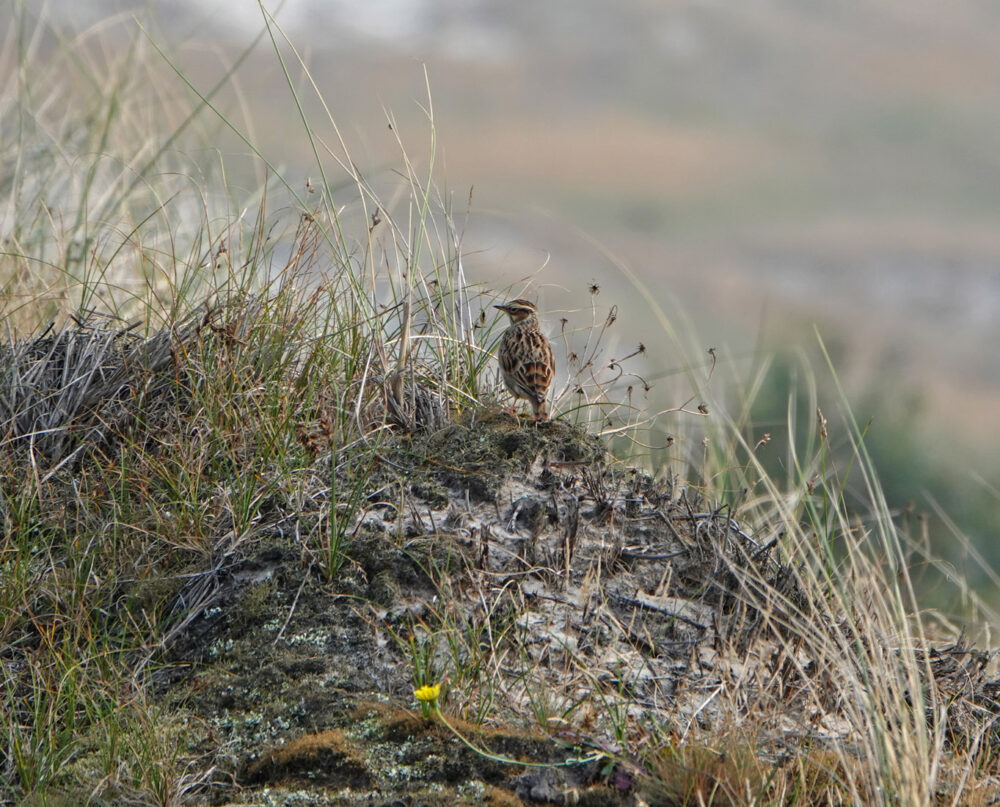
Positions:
(518, 310)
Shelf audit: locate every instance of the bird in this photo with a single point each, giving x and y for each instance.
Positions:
(525, 357)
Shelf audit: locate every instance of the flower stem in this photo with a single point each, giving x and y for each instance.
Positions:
(507, 760)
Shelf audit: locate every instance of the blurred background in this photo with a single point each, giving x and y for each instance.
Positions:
(764, 166)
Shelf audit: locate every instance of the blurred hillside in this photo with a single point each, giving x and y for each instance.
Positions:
(764, 165)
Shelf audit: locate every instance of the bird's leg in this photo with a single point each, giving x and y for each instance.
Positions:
(513, 412)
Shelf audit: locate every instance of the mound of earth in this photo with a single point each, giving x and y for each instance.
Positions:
(555, 595)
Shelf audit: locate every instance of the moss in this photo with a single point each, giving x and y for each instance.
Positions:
(326, 758)
(254, 602)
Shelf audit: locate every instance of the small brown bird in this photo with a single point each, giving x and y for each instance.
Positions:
(525, 357)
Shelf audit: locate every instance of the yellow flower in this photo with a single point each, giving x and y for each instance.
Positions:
(428, 694)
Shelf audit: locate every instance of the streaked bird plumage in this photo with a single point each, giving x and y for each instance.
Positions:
(525, 357)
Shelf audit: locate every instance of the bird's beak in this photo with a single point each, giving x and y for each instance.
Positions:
(501, 307)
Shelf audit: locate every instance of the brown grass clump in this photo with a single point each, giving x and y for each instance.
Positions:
(327, 758)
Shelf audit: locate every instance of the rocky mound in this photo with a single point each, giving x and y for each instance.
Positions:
(560, 598)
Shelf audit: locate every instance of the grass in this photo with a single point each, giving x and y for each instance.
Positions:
(184, 383)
